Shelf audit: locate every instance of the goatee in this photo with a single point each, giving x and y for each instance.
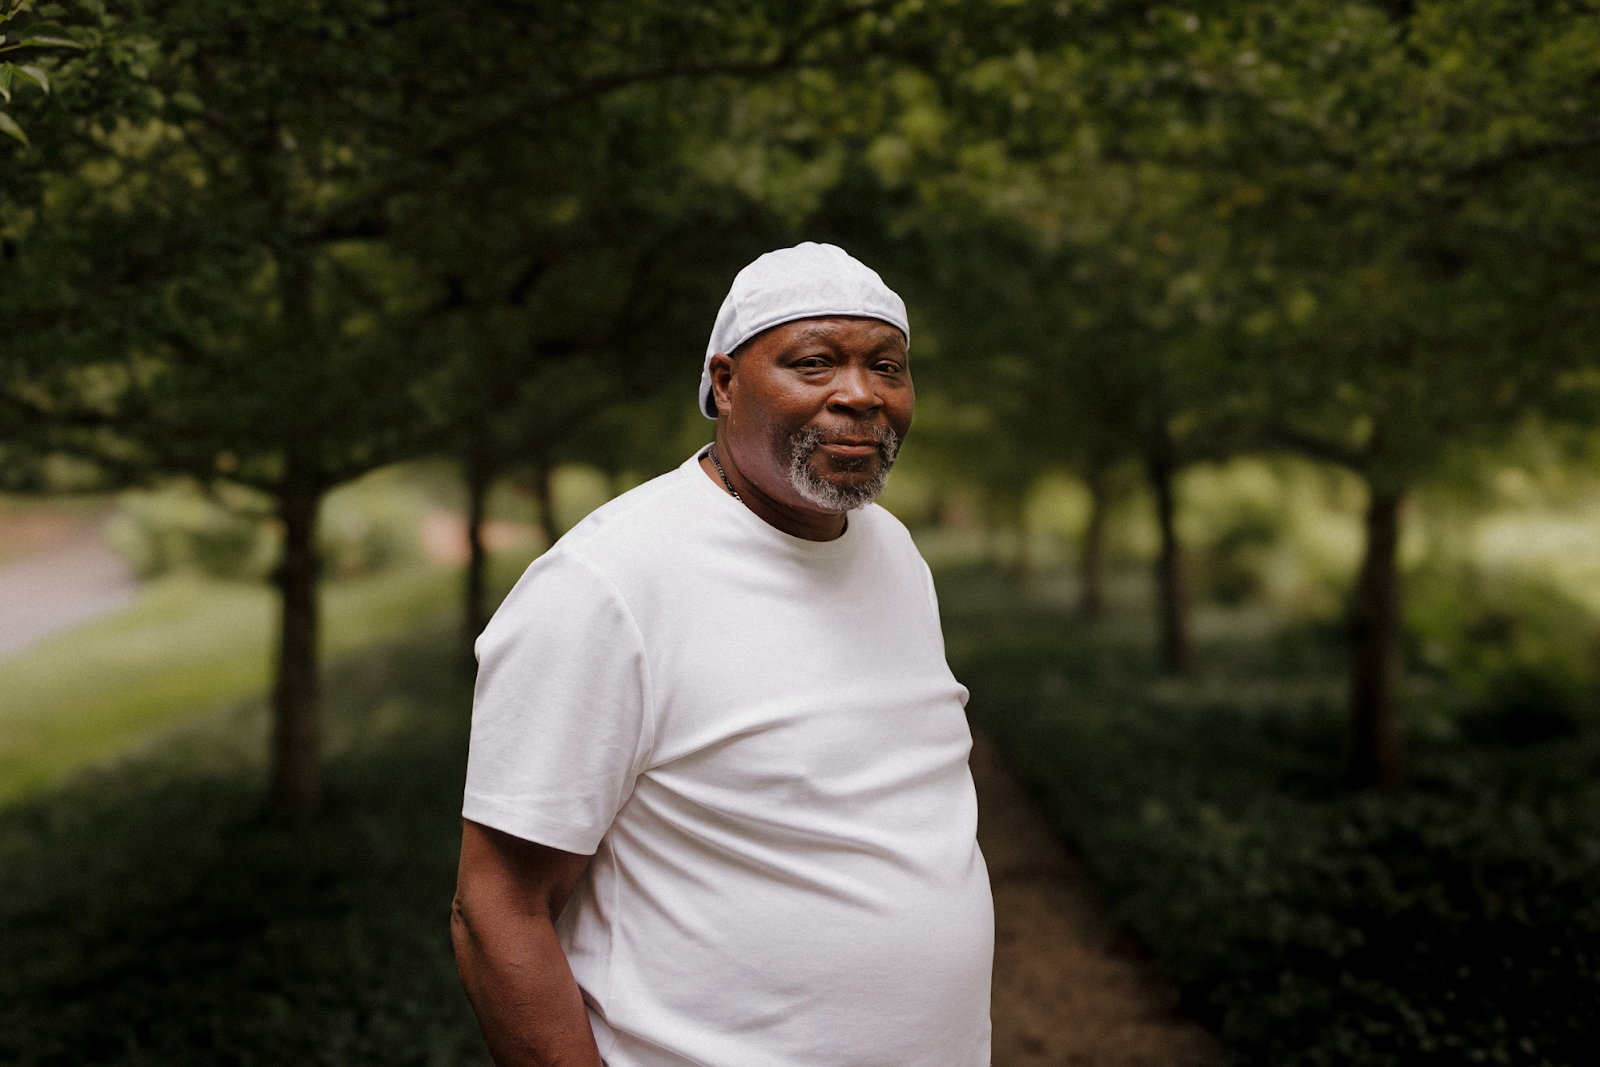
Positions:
(824, 494)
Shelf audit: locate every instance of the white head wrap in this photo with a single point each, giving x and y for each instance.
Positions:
(807, 281)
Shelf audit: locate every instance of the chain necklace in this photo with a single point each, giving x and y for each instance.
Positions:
(712, 452)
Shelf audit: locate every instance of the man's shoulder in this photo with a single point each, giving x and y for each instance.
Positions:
(887, 530)
(882, 522)
(592, 562)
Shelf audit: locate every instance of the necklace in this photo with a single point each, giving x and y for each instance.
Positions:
(712, 452)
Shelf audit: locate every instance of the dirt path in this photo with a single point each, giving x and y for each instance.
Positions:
(75, 580)
(1063, 992)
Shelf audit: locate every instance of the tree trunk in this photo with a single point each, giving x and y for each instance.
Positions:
(1171, 581)
(1376, 636)
(1092, 568)
(296, 771)
(479, 474)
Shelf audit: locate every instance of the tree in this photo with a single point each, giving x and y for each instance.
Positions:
(1427, 195)
(1083, 286)
(261, 208)
(76, 76)
(1390, 205)
(584, 286)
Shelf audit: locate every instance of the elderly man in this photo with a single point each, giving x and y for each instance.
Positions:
(718, 810)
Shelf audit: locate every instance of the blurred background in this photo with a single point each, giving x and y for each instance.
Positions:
(1257, 457)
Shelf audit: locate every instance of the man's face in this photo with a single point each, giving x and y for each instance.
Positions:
(815, 410)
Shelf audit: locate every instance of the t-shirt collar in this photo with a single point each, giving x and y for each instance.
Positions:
(844, 542)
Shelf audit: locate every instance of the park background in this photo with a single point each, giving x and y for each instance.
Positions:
(1255, 457)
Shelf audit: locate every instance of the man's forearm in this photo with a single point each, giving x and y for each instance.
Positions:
(521, 987)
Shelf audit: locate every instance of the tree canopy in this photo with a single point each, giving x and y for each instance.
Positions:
(282, 244)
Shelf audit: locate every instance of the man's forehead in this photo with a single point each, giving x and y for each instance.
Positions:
(829, 327)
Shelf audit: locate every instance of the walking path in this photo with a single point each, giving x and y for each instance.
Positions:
(1066, 992)
(73, 581)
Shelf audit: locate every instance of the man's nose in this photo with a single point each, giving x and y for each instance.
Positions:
(853, 390)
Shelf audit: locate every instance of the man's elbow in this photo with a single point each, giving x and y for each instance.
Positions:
(462, 935)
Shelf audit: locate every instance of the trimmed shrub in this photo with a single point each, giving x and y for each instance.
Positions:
(1454, 922)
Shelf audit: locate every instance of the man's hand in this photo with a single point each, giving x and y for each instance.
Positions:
(509, 893)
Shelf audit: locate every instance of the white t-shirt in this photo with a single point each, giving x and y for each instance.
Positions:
(758, 739)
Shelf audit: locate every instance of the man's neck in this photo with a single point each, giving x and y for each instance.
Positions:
(805, 523)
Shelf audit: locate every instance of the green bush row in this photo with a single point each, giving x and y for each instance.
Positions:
(228, 531)
(1454, 922)
(151, 913)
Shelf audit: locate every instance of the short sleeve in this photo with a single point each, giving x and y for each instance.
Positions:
(560, 723)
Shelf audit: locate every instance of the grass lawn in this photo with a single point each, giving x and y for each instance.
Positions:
(185, 645)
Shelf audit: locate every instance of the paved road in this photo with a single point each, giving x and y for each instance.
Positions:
(1067, 993)
(57, 588)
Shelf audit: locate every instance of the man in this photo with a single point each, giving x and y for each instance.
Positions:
(718, 810)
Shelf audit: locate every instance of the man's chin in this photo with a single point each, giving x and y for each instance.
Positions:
(838, 491)
(846, 472)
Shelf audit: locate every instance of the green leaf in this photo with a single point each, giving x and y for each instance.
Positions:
(49, 42)
(8, 125)
(35, 75)
(6, 70)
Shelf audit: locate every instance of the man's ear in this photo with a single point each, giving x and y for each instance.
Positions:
(721, 380)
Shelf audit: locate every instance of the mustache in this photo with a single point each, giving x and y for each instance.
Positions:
(804, 442)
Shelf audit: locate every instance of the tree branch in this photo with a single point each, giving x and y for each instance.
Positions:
(1526, 153)
(1288, 439)
(359, 216)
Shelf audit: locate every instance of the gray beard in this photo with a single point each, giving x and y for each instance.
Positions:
(824, 494)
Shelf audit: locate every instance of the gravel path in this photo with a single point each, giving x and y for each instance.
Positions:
(1066, 989)
(47, 591)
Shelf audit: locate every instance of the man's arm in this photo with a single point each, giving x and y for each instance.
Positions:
(509, 893)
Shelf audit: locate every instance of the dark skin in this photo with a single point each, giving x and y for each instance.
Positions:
(509, 893)
(845, 377)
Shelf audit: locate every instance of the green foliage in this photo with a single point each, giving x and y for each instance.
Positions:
(1235, 517)
(151, 914)
(1277, 531)
(24, 40)
(180, 527)
(1524, 653)
(1393, 176)
(1454, 922)
(226, 531)
(371, 525)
